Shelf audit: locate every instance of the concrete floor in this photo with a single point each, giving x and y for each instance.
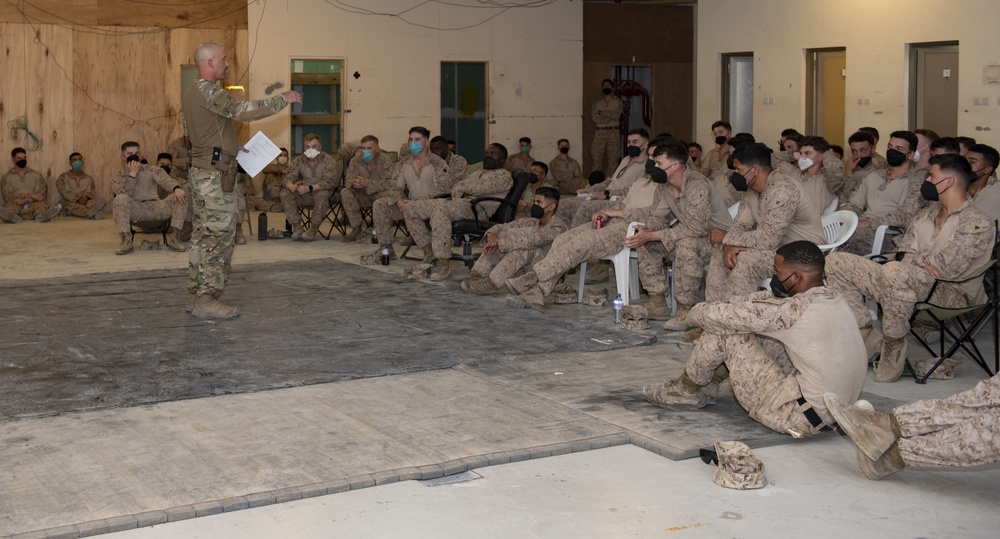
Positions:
(612, 492)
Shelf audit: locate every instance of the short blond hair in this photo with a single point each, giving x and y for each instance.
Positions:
(310, 137)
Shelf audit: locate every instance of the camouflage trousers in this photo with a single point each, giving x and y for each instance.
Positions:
(354, 200)
(418, 215)
(572, 247)
(502, 266)
(241, 203)
(762, 377)
(214, 237)
(723, 283)
(961, 430)
(27, 211)
(860, 243)
(442, 214)
(897, 286)
(259, 204)
(585, 212)
(127, 211)
(384, 213)
(76, 209)
(607, 144)
(689, 257)
(317, 201)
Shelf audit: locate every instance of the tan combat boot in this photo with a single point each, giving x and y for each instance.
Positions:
(442, 270)
(892, 361)
(532, 298)
(126, 245)
(873, 342)
(208, 307)
(174, 240)
(681, 391)
(351, 235)
(480, 287)
(656, 307)
(297, 230)
(186, 231)
(679, 321)
(308, 235)
(240, 238)
(872, 432)
(889, 463)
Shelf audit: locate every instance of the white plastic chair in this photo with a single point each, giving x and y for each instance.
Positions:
(838, 227)
(880, 234)
(626, 270)
(832, 207)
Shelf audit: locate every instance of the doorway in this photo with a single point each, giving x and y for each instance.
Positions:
(825, 93)
(464, 106)
(737, 91)
(934, 87)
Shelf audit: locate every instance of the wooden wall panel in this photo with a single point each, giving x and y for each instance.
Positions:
(13, 89)
(50, 101)
(161, 13)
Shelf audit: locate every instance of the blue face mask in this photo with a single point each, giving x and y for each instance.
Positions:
(415, 148)
(525, 150)
(77, 165)
(367, 155)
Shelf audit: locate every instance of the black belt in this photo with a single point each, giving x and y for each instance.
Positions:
(810, 414)
(605, 128)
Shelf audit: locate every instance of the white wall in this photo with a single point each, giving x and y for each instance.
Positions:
(535, 60)
(876, 34)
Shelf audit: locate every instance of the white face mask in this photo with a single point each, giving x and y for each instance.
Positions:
(311, 153)
(805, 163)
(916, 156)
(282, 160)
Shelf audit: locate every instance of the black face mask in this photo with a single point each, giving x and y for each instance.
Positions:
(863, 162)
(633, 151)
(22, 163)
(778, 287)
(658, 175)
(929, 191)
(166, 168)
(720, 140)
(564, 149)
(738, 181)
(537, 211)
(895, 157)
(650, 166)
(490, 164)
(729, 162)
(606, 91)
(132, 158)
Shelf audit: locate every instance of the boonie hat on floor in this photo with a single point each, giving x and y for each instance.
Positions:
(738, 467)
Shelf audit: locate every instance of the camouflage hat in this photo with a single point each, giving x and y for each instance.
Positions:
(564, 293)
(635, 317)
(595, 298)
(738, 467)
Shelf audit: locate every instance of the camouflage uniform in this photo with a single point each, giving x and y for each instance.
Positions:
(270, 189)
(517, 164)
(720, 181)
(617, 185)
(607, 140)
(71, 187)
(567, 174)
(851, 183)
(781, 350)
(458, 168)
(379, 176)
(442, 212)
(711, 161)
(961, 430)
(181, 153)
(137, 199)
(208, 114)
(893, 202)
(644, 203)
(987, 199)
(433, 179)
(961, 246)
(698, 209)
(13, 186)
(519, 244)
(780, 215)
(324, 178)
(820, 187)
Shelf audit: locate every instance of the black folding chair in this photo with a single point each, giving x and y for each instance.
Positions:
(467, 230)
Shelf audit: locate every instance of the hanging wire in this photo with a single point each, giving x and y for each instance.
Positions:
(32, 142)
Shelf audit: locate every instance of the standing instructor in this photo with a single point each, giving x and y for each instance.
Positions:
(208, 113)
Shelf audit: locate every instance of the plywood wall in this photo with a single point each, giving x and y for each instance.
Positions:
(90, 89)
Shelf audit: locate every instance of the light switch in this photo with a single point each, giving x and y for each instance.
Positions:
(946, 73)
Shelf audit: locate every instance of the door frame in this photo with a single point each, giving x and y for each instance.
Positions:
(913, 94)
(812, 74)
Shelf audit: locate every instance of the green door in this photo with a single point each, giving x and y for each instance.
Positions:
(463, 107)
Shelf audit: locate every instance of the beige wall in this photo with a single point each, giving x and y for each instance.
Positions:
(535, 58)
(875, 33)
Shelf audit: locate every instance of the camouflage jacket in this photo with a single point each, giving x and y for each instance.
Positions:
(379, 177)
(527, 234)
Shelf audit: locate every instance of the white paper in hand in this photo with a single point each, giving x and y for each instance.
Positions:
(260, 152)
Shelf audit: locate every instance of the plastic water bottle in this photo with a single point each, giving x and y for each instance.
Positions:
(618, 303)
(374, 237)
(262, 227)
(384, 254)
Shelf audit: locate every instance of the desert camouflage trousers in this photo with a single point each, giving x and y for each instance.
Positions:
(502, 266)
(606, 150)
(76, 209)
(354, 200)
(214, 237)
(689, 257)
(384, 213)
(318, 203)
(961, 430)
(126, 211)
(752, 265)
(572, 247)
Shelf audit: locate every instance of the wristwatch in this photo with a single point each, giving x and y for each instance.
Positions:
(310, 189)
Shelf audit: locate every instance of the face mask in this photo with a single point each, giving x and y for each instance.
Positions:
(738, 181)
(415, 148)
(77, 165)
(606, 91)
(166, 168)
(282, 160)
(311, 153)
(916, 156)
(778, 287)
(650, 166)
(633, 151)
(22, 163)
(720, 140)
(132, 158)
(367, 156)
(488, 162)
(525, 149)
(537, 211)
(658, 175)
(805, 163)
(564, 149)
(895, 157)
(863, 162)
(929, 191)
(977, 173)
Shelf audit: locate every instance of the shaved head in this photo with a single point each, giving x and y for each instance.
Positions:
(207, 51)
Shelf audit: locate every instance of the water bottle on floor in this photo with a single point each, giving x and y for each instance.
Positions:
(618, 303)
(384, 254)
(262, 227)
(374, 237)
